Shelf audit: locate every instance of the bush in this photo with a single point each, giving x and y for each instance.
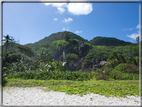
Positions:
(60, 43)
(70, 56)
(73, 41)
(127, 68)
(112, 63)
(56, 75)
(26, 50)
(102, 74)
(89, 58)
(117, 75)
(14, 57)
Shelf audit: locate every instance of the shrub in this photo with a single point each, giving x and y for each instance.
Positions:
(56, 74)
(14, 57)
(127, 68)
(117, 75)
(60, 43)
(89, 58)
(51, 66)
(102, 74)
(112, 63)
(26, 50)
(70, 56)
(73, 41)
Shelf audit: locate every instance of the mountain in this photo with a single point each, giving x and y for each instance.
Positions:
(57, 36)
(107, 41)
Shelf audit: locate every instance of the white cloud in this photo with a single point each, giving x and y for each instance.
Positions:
(134, 35)
(127, 29)
(80, 8)
(55, 19)
(66, 29)
(47, 4)
(56, 4)
(67, 20)
(78, 32)
(59, 6)
(61, 10)
(74, 8)
(138, 26)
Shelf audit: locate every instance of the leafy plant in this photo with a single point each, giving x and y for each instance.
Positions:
(115, 88)
(118, 75)
(67, 37)
(72, 56)
(127, 68)
(60, 43)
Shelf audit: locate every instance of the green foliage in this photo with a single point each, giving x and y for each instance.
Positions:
(14, 57)
(136, 61)
(26, 50)
(127, 68)
(115, 88)
(118, 75)
(67, 37)
(89, 44)
(72, 56)
(56, 74)
(7, 40)
(51, 66)
(115, 55)
(122, 59)
(108, 41)
(137, 39)
(57, 36)
(112, 63)
(60, 43)
(89, 58)
(97, 51)
(44, 57)
(101, 75)
(61, 66)
(73, 41)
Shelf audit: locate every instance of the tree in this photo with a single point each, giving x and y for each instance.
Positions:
(122, 59)
(137, 39)
(115, 55)
(7, 40)
(67, 37)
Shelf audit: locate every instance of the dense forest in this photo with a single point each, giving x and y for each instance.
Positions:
(106, 58)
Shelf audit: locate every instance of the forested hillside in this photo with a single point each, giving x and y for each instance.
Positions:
(65, 51)
(107, 41)
(57, 36)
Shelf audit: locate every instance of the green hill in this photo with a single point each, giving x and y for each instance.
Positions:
(107, 41)
(57, 36)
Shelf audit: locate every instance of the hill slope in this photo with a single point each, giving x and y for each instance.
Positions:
(57, 36)
(107, 41)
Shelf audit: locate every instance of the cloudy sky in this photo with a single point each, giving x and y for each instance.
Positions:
(31, 22)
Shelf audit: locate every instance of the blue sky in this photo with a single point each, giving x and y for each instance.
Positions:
(31, 22)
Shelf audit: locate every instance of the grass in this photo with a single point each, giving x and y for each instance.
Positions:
(113, 88)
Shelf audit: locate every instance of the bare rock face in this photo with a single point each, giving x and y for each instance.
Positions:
(76, 65)
(100, 64)
(83, 50)
(97, 60)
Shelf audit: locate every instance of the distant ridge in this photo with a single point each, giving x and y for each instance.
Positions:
(108, 41)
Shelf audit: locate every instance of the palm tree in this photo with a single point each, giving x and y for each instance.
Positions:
(7, 40)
